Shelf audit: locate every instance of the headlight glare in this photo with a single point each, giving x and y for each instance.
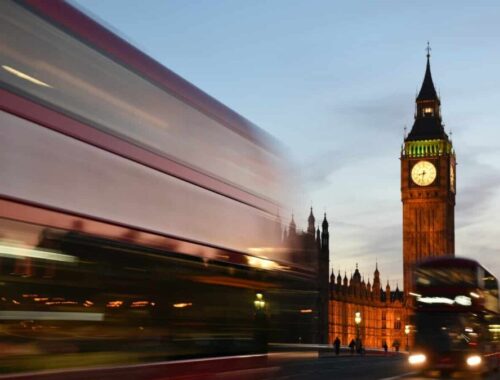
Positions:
(415, 359)
(474, 360)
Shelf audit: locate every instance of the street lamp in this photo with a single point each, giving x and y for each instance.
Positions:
(407, 332)
(260, 332)
(259, 301)
(357, 320)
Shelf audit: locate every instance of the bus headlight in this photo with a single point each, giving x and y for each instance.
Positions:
(416, 359)
(474, 360)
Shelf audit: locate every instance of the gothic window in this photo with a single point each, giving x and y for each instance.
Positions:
(397, 324)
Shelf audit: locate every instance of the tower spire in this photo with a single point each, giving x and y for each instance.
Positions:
(325, 235)
(428, 91)
(428, 124)
(311, 221)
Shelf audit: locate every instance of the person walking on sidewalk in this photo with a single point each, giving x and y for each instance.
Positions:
(359, 346)
(351, 346)
(336, 345)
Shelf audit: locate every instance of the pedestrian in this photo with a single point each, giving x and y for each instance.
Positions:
(385, 347)
(351, 346)
(395, 344)
(359, 346)
(336, 345)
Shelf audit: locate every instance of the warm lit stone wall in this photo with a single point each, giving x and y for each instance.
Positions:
(383, 315)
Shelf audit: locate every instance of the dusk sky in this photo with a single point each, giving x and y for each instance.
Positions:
(336, 83)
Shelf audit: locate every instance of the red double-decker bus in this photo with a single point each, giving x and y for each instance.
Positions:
(137, 214)
(456, 316)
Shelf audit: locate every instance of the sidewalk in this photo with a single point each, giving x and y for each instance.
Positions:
(329, 352)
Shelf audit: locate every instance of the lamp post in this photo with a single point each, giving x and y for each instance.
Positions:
(357, 320)
(407, 333)
(260, 332)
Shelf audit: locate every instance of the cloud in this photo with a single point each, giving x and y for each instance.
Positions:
(360, 130)
(377, 115)
(477, 197)
(341, 224)
(366, 246)
(482, 186)
(317, 170)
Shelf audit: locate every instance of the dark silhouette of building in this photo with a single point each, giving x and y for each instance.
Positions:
(324, 263)
(427, 183)
(313, 246)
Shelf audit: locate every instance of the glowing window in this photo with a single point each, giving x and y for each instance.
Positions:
(428, 111)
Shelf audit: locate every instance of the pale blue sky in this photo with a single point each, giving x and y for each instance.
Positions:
(336, 81)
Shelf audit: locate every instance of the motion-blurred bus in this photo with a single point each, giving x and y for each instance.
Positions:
(456, 316)
(138, 215)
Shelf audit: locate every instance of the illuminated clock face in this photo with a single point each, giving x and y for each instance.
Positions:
(423, 173)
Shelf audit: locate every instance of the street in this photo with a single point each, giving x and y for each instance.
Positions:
(356, 367)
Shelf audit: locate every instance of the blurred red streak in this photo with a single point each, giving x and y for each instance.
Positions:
(58, 122)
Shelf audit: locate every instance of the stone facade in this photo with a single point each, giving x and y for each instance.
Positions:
(382, 312)
(383, 315)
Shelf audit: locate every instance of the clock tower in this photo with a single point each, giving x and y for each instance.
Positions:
(427, 184)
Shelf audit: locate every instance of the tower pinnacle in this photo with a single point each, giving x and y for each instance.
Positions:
(428, 124)
(311, 221)
(428, 91)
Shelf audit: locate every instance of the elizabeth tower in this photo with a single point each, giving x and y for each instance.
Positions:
(427, 184)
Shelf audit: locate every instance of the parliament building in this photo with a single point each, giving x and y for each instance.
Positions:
(350, 307)
(382, 310)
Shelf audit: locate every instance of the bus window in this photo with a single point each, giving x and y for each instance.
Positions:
(430, 277)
